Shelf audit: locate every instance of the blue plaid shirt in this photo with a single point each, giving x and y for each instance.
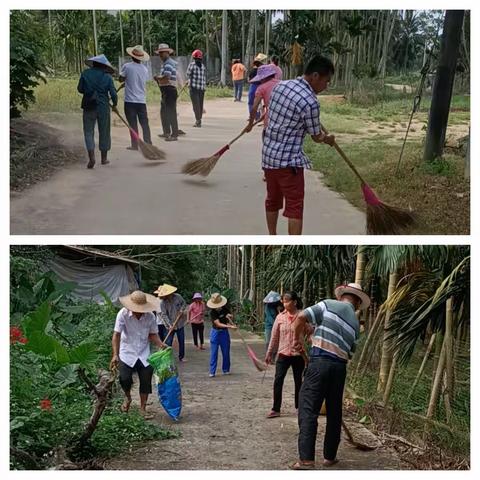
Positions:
(293, 112)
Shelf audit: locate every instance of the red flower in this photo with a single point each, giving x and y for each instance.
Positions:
(23, 340)
(15, 334)
(46, 404)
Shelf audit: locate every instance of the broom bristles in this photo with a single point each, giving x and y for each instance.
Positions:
(259, 365)
(201, 166)
(383, 219)
(150, 152)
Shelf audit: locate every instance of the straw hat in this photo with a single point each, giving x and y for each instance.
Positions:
(216, 301)
(264, 71)
(140, 302)
(163, 47)
(102, 60)
(165, 289)
(353, 289)
(139, 53)
(272, 297)
(261, 57)
(197, 296)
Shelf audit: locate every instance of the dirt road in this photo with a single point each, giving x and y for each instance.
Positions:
(224, 426)
(137, 196)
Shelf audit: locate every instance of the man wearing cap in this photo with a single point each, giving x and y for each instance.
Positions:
(172, 316)
(197, 81)
(135, 327)
(273, 306)
(167, 81)
(135, 75)
(293, 112)
(337, 330)
(238, 74)
(96, 85)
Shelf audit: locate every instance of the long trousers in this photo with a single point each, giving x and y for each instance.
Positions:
(134, 112)
(281, 368)
(197, 331)
(238, 84)
(179, 332)
(219, 338)
(197, 97)
(324, 380)
(100, 115)
(168, 110)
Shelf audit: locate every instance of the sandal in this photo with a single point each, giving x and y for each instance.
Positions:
(125, 406)
(147, 416)
(299, 465)
(273, 414)
(329, 463)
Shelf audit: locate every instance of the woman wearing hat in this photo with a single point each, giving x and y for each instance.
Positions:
(258, 61)
(196, 314)
(135, 327)
(197, 81)
(219, 336)
(135, 75)
(290, 354)
(96, 85)
(337, 330)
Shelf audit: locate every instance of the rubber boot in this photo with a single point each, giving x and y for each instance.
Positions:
(104, 158)
(91, 158)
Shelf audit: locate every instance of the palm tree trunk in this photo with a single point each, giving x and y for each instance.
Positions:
(449, 351)
(423, 365)
(242, 271)
(223, 73)
(389, 385)
(360, 267)
(251, 293)
(248, 50)
(437, 383)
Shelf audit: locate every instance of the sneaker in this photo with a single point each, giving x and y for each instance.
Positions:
(163, 135)
(132, 148)
(226, 373)
(171, 139)
(211, 375)
(181, 132)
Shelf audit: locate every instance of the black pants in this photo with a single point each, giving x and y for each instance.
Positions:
(134, 111)
(197, 331)
(197, 97)
(324, 380)
(168, 110)
(144, 375)
(281, 368)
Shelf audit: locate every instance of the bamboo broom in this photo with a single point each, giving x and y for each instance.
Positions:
(203, 166)
(382, 219)
(259, 365)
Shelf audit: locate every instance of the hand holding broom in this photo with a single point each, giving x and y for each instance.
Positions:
(172, 328)
(203, 166)
(382, 219)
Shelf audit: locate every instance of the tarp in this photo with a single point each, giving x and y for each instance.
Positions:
(114, 280)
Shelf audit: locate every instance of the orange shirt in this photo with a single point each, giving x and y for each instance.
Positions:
(238, 71)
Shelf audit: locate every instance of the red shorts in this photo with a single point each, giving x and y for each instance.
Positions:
(285, 183)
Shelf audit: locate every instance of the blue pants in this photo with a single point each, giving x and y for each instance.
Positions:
(251, 99)
(238, 89)
(219, 338)
(90, 118)
(180, 332)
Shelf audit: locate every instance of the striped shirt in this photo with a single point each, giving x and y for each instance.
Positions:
(169, 310)
(337, 328)
(197, 74)
(169, 70)
(292, 113)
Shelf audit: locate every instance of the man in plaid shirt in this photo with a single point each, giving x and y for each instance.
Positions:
(293, 112)
(197, 81)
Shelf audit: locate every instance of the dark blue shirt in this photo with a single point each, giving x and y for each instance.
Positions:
(98, 80)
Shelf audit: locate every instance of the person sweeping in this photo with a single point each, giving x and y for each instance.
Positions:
(337, 330)
(293, 112)
(96, 85)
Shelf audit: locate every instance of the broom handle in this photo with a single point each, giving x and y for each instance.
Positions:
(172, 328)
(132, 131)
(244, 131)
(344, 156)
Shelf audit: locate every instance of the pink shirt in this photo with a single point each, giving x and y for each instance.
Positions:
(264, 90)
(283, 335)
(279, 74)
(196, 312)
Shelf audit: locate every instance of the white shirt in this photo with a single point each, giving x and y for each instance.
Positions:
(136, 76)
(134, 332)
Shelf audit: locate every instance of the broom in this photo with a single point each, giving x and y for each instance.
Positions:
(150, 152)
(172, 328)
(203, 166)
(382, 219)
(259, 365)
(188, 91)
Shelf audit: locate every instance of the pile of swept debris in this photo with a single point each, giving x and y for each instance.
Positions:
(36, 152)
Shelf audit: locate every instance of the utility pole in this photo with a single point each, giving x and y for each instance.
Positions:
(223, 73)
(176, 34)
(150, 31)
(95, 32)
(121, 33)
(51, 40)
(141, 26)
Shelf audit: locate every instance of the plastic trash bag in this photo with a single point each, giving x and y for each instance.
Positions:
(168, 383)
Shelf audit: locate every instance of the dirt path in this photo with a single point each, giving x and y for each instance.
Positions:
(136, 196)
(223, 424)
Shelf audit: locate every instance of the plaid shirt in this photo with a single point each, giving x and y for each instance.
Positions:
(197, 76)
(292, 113)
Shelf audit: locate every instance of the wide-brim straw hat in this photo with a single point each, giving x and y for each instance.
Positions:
(353, 289)
(197, 296)
(264, 71)
(139, 53)
(165, 289)
(140, 302)
(216, 301)
(260, 57)
(163, 47)
(272, 297)
(102, 60)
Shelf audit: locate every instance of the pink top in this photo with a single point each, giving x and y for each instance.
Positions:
(279, 74)
(264, 90)
(196, 312)
(283, 335)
